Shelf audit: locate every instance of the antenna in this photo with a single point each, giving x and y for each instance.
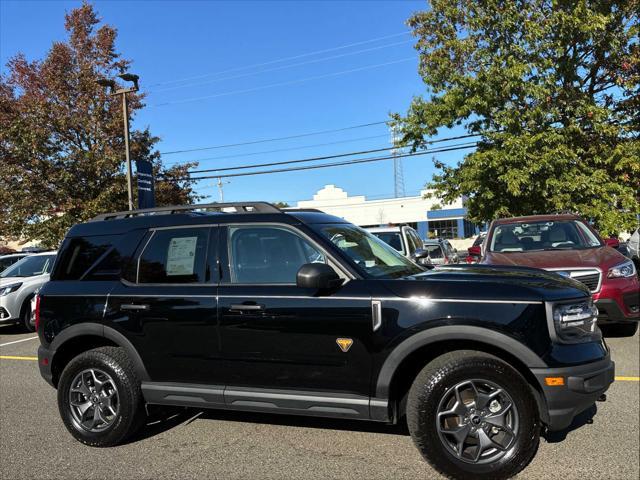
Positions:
(398, 174)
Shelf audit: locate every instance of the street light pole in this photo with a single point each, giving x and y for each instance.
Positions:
(129, 77)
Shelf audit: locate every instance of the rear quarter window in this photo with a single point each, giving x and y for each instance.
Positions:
(81, 253)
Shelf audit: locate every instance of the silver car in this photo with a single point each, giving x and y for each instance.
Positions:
(18, 284)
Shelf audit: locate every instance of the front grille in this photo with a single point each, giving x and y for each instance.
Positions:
(588, 277)
(591, 280)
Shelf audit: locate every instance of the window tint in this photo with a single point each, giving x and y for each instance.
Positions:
(81, 253)
(262, 255)
(175, 256)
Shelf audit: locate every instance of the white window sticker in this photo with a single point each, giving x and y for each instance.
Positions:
(181, 256)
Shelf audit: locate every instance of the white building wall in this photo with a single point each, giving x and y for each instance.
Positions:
(360, 211)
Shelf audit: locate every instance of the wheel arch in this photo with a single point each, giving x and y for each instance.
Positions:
(409, 357)
(79, 338)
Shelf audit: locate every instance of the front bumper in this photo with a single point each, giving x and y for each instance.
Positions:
(618, 300)
(583, 385)
(610, 311)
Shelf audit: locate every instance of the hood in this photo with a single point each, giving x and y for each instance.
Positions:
(10, 280)
(603, 257)
(488, 282)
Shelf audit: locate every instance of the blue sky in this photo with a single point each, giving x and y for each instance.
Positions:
(179, 49)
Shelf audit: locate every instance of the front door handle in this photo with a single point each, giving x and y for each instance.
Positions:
(246, 307)
(133, 306)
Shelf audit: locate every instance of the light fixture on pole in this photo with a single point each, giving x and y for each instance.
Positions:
(114, 91)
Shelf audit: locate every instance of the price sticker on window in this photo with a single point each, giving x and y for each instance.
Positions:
(181, 256)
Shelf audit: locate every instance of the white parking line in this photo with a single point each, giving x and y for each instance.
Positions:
(17, 341)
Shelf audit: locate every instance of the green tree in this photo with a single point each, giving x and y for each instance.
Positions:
(552, 89)
(61, 137)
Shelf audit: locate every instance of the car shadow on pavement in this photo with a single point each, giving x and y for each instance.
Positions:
(580, 420)
(13, 329)
(162, 419)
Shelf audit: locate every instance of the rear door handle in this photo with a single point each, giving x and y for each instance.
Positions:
(133, 306)
(246, 307)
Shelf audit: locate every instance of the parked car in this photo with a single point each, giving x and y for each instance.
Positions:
(474, 252)
(304, 313)
(569, 246)
(18, 284)
(441, 252)
(405, 240)
(8, 260)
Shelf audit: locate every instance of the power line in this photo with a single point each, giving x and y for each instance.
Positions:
(238, 155)
(282, 84)
(283, 67)
(327, 165)
(289, 137)
(271, 62)
(328, 157)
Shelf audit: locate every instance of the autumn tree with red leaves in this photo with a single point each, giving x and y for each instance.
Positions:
(61, 137)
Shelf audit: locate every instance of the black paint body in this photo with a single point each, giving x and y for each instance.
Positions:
(201, 338)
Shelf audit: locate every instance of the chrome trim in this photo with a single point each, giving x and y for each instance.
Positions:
(464, 300)
(376, 314)
(582, 272)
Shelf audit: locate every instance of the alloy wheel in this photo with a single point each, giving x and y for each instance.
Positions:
(93, 400)
(477, 421)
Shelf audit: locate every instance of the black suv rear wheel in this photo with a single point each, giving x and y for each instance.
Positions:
(471, 415)
(99, 397)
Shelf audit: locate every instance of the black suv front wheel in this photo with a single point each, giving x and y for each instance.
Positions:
(472, 415)
(99, 397)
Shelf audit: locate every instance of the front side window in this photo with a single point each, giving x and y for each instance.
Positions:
(30, 266)
(435, 251)
(370, 254)
(268, 254)
(174, 256)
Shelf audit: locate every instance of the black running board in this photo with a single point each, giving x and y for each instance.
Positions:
(292, 402)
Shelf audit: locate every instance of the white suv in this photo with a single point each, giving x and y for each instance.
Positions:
(405, 240)
(18, 284)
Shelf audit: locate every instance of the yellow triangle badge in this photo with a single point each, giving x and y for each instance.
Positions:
(344, 344)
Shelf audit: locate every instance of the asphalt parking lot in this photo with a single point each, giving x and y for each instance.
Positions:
(208, 444)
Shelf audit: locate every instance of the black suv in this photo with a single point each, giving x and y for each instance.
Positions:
(248, 307)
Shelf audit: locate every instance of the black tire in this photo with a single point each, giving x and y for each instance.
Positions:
(127, 416)
(619, 329)
(453, 371)
(26, 321)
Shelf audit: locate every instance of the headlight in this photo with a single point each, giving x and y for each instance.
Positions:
(625, 269)
(6, 290)
(576, 322)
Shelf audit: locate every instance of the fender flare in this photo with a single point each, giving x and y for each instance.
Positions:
(99, 330)
(448, 333)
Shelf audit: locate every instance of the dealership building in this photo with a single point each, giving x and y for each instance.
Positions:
(445, 220)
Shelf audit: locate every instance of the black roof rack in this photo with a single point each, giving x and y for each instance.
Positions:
(240, 207)
(296, 209)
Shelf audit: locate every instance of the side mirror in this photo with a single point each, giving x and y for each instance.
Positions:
(318, 276)
(420, 254)
(612, 242)
(475, 251)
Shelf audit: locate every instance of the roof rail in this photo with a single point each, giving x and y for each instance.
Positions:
(240, 207)
(296, 209)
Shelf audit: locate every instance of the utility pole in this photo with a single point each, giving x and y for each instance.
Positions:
(221, 189)
(128, 77)
(398, 174)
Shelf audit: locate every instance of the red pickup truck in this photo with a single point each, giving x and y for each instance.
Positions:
(569, 246)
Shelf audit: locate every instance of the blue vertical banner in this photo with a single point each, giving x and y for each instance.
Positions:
(146, 191)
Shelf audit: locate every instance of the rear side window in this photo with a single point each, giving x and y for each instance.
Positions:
(175, 256)
(81, 254)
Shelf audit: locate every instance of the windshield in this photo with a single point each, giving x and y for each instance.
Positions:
(392, 238)
(30, 266)
(369, 253)
(543, 235)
